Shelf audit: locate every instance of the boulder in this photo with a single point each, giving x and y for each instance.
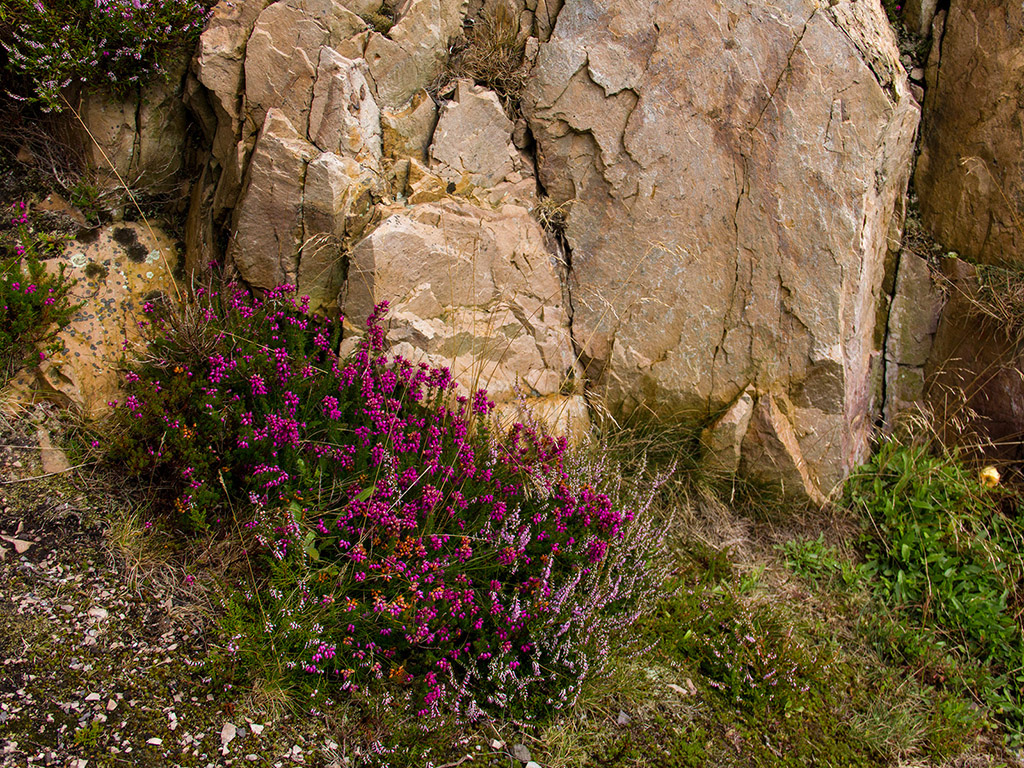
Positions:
(913, 319)
(736, 171)
(337, 203)
(135, 142)
(285, 54)
(473, 138)
(410, 58)
(970, 175)
(219, 67)
(472, 288)
(343, 117)
(267, 225)
(121, 269)
(408, 131)
(296, 213)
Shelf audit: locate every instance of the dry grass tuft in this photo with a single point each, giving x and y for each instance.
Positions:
(491, 53)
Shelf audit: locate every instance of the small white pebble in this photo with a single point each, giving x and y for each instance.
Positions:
(111, 705)
(93, 697)
(155, 741)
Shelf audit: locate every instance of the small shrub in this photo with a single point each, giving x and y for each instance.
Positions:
(752, 655)
(116, 44)
(401, 538)
(34, 303)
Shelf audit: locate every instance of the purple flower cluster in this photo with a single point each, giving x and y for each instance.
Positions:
(473, 569)
(115, 43)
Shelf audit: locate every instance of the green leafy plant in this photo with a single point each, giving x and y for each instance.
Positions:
(34, 302)
(817, 562)
(116, 44)
(946, 552)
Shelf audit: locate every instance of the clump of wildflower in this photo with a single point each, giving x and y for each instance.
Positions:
(405, 538)
(117, 44)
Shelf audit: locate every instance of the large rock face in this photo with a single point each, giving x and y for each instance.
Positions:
(970, 176)
(736, 167)
(974, 386)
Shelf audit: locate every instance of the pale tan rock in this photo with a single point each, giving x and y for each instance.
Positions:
(563, 415)
(772, 451)
(284, 53)
(970, 175)
(395, 73)
(268, 231)
(412, 56)
(473, 138)
(337, 204)
(219, 69)
(343, 116)
(913, 319)
(362, 7)
(736, 168)
(407, 132)
(721, 442)
(53, 459)
(471, 288)
(130, 264)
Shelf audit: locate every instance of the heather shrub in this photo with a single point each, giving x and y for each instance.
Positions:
(750, 654)
(34, 303)
(401, 536)
(116, 44)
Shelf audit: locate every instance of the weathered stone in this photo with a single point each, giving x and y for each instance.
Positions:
(411, 57)
(337, 203)
(219, 66)
(408, 131)
(973, 375)
(772, 451)
(52, 458)
(471, 288)
(268, 221)
(362, 7)
(970, 175)
(914, 315)
(913, 319)
(566, 415)
(284, 53)
(473, 138)
(343, 116)
(131, 264)
(918, 15)
(736, 169)
(721, 443)
(135, 142)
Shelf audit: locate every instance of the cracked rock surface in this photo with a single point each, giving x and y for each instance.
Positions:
(736, 171)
